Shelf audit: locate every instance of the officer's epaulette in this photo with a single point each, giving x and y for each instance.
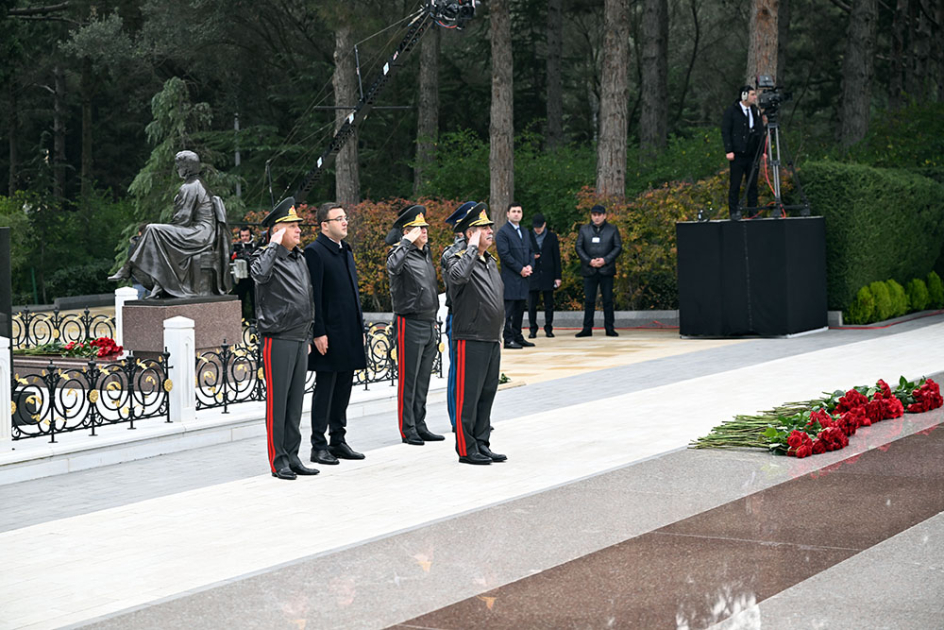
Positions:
(459, 253)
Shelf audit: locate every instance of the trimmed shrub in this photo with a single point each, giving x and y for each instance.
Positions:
(935, 291)
(917, 292)
(880, 223)
(899, 298)
(883, 301)
(862, 308)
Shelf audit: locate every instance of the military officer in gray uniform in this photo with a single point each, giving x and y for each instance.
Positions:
(285, 314)
(478, 317)
(448, 257)
(415, 295)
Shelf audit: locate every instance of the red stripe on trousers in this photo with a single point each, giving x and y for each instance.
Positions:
(460, 396)
(401, 340)
(267, 366)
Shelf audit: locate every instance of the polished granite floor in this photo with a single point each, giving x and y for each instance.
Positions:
(601, 518)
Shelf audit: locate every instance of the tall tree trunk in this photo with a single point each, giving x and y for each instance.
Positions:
(427, 124)
(783, 38)
(611, 149)
(939, 47)
(347, 172)
(555, 84)
(922, 52)
(653, 120)
(857, 71)
(762, 47)
(13, 126)
(696, 39)
(899, 62)
(501, 159)
(59, 134)
(87, 88)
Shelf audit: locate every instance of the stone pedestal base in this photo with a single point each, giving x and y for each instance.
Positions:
(217, 320)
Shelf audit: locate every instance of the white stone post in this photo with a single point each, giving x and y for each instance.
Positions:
(122, 295)
(443, 339)
(179, 341)
(6, 377)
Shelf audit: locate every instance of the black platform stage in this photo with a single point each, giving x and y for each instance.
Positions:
(763, 277)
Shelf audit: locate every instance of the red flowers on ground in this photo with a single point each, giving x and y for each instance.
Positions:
(927, 397)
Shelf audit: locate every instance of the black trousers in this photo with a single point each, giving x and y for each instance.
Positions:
(329, 407)
(285, 365)
(514, 315)
(590, 284)
(741, 169)
(478, 368)
(246, 291)
(533, 298)
(416, 351)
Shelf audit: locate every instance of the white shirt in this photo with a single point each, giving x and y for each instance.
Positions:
(750, 115)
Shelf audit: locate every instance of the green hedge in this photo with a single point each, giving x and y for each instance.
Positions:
(880, 223)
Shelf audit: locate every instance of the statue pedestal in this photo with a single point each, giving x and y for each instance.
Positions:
(217, 320)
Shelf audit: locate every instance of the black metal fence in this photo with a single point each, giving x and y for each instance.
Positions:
(37, 329)
(233, 373)
(77, 396)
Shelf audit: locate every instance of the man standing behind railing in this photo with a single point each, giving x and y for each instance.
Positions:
(415, 295)
(338, 336)
(284, 316)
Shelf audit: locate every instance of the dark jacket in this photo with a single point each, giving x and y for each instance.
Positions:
(448, 258)
(598, 242)
(413, 286)
(337, 306)
(515, 254)
(547, 268)
(737, 136)
(478, 305)
(284, 304)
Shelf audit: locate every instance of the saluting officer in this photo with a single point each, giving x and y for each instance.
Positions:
(285, 313)
(477, 323)
(415, 295)
(446, 261)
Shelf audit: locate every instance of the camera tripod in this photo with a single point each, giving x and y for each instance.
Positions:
(772, 144)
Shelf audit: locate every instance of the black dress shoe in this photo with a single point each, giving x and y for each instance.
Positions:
(284, 473)
(415, 441)
(301, 469)
(495, 457)
(612, 333)
(343, 451)
(429, 436)
(525, 344)
(322, 456)
(511, 345)
(476, 458)
(549, 334)
(532, 334)
(586, 332)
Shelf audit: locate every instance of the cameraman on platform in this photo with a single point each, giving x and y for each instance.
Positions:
(741, 130)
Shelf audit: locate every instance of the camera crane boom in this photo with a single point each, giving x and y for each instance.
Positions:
(446, 13)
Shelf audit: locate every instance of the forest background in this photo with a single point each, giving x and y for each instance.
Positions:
(556, 104)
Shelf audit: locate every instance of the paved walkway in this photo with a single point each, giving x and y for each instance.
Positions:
(207, 538)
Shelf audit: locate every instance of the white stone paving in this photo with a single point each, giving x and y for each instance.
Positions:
(79, 568)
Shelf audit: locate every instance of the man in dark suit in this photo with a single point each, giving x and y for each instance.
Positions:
(598, 247)
(338, 335)
(546, 276)
(514, 252)
(741, 131)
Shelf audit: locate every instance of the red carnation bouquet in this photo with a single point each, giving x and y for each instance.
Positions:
(101, 348)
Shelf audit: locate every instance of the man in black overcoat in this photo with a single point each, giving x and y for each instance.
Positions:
(514, 252)
(741, 131)
(546, 277)
(338, 335)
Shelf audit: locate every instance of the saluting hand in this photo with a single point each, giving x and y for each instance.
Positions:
(413, 234)
(277, 236)
(475, 238)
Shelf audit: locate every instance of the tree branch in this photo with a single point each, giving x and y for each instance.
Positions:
(842, 5)
(26, 11)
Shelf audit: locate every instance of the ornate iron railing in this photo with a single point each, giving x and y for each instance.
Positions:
(233, 373)
(37, 329)
(75, 396)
